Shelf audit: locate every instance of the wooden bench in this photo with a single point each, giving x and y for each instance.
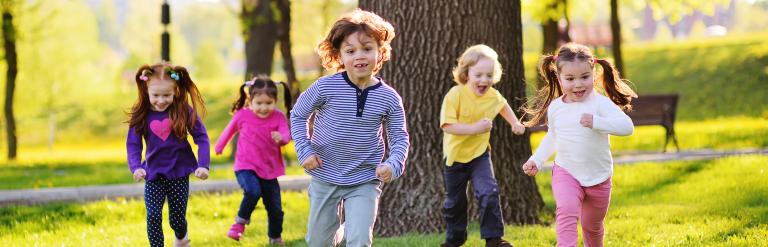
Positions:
(658, 109)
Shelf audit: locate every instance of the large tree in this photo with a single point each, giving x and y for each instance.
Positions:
(430, 35)
(9, 43)
(260, 33)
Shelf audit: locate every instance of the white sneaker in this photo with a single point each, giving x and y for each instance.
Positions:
(184, 242)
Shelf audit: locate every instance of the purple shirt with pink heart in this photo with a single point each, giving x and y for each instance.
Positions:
(166, 155)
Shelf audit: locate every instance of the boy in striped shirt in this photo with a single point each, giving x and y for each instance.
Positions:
(344, 154)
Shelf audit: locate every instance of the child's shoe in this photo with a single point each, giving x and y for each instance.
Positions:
(276, 241)
(236, 231)
(497, 242)
(184, 242)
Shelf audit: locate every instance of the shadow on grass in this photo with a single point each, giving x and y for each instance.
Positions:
(643, 190)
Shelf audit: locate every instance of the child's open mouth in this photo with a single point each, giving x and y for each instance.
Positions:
(580, 94)
(482, 89)
(362, 65)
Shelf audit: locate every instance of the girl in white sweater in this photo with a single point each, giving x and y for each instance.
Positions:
(579, 119)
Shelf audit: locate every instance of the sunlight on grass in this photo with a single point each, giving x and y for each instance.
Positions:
(720, 133)
(718, 202)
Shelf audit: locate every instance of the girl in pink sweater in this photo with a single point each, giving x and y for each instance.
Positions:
(258, 161)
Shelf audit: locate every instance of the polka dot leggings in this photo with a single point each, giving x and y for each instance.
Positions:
(155, 194)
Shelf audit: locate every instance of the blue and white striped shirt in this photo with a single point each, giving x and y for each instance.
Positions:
(347, 130)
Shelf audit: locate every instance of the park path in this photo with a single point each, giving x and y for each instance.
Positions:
(287, 183)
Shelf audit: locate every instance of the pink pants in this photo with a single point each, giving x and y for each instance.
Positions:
(574, 202)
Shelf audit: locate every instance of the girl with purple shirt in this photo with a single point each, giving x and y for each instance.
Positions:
(258, 161)
(163, 116)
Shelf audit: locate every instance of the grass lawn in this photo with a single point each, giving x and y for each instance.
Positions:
(722, 202)
(34, 171)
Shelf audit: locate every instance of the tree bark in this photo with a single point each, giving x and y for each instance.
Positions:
(9, 43)
(616, 38)
(430, 36)
(260, 33)
(284, 36)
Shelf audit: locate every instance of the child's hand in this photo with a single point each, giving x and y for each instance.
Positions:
(139, 174)
(529, 168)
(483, 125)
(518, 128)
(276, 136)
(312, 162)
(201, 173)
(384, 172)
(586, 120)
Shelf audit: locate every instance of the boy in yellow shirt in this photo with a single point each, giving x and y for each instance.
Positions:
(466, 119)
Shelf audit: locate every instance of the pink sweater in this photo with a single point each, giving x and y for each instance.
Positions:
(256, 150)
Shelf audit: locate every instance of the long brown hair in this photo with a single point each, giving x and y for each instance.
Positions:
(615, 88)
(187, 100)
(261, 84)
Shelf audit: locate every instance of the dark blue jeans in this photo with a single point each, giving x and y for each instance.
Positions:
(456, 177)
(156, 191)
(255, 188)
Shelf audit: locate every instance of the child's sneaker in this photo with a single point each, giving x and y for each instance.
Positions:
(181, 242)
(236, 231)
(497, 242)
(276, 241)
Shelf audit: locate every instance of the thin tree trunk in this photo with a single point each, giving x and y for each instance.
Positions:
(284, 36)
(9, 43)
(430, 35)
(260, 27)
(616, 40)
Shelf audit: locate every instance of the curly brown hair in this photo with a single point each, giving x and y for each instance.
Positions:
(356, 21)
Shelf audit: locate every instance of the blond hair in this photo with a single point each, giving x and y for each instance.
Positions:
(470, 57)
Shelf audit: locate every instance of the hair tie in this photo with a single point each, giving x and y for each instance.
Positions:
(249, 83)
(594, 60)
(143, 78)
(554, 58)
(172, 73)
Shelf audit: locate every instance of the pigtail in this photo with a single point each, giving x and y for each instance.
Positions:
(288, 99)
(138, 113)
(188, 96)
(615, 87)
(240, 102)
(546, 94)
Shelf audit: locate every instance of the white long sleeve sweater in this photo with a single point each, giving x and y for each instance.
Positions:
(585, 153)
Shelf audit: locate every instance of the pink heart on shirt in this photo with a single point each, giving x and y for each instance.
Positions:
(161, 129)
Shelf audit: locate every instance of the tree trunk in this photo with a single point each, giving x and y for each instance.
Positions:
(616, 38)
(9, 43)
(260, 35)
(284, 35)
(430, 36)
(551, 35)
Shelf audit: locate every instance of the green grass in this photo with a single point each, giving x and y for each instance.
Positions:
(72, 166)
(722, 202)
(715, 77)
(720, 134)
(48, 175)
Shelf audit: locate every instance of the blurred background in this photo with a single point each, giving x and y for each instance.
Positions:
(76, 59)
(70, 67)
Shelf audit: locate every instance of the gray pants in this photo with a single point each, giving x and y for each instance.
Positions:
(360, 206)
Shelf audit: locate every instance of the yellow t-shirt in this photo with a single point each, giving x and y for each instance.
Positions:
(461, 105)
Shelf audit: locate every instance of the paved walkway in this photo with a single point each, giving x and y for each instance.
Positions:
(287, 183)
